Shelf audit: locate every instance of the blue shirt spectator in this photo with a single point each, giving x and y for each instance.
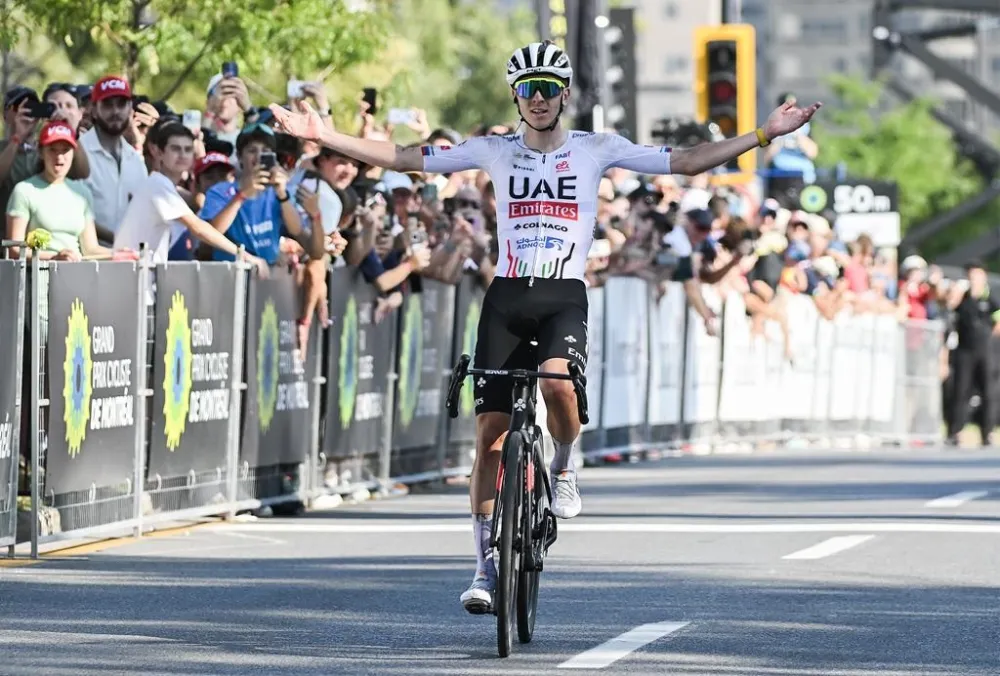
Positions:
(258, 225)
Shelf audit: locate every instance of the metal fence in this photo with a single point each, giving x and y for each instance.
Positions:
(161, 394)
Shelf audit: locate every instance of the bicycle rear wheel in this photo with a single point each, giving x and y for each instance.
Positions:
(509, 503)
(532, 515)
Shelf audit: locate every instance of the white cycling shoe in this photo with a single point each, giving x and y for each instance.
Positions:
(566, 502)
(478, 598)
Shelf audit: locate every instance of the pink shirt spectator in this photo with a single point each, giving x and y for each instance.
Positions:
(857, 277)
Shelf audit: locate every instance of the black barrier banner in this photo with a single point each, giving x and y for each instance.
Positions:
(468, 305)
(93, 365)
(191, 362)
(276, 424)
(424, 345)
(362, 349)
(10, 336)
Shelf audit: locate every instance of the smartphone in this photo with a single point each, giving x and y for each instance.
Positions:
(230, 69)
(429, 193)
(401, 116)
(192, 120)
(375, 199)
(295, 89)
(371, 98)
(268, 160)
(42, 110)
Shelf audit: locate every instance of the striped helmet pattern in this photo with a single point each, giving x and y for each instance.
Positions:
(544, 58)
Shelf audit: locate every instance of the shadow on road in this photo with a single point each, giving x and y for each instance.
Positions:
(399, 615)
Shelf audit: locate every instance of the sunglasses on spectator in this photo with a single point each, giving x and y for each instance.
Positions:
(549, 89)
(466, 204)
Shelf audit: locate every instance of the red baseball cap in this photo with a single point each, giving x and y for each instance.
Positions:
(211, 160)
(109, 87)
(56, 131)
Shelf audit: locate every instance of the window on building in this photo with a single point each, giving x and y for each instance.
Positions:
(789, 27)
(670, 9)
(957, 107)
(996, 65)
(677, 64)
(824, 30)
(965, 65)
(865, 25)
(840, 64)
(788, 67)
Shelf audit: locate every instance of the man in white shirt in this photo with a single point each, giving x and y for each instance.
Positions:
(157, 205)
(116, 169)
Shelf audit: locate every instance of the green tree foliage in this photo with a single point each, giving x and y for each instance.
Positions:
(906, 145)
(163, 45)
(449, 58)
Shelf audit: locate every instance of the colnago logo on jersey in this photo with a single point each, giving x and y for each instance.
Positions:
(541, 224)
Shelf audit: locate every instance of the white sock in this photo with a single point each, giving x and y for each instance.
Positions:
(563, 459)
(482, 528)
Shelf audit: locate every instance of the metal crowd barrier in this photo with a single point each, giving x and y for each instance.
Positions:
(858, 379)
(166, 393)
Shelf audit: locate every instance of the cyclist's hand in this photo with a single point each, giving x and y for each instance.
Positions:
(788, 117)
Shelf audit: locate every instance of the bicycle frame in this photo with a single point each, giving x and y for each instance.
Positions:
(523, 525)
(522, 419)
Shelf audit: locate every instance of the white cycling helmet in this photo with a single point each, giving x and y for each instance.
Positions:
(539, 58)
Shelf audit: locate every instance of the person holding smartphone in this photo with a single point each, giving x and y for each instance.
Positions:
(50, 200)
(227, 99)
(257, 208)
(19, 155)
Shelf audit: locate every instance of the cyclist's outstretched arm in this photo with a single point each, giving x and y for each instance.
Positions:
(379, 153)
(699, 159)
(784, 120)
(306, 123)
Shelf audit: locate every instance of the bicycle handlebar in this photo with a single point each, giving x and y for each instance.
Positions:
(462, 370)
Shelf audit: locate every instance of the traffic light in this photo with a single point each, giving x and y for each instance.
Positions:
(619, 36)
(725, 85)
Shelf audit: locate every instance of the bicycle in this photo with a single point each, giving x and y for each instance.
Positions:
(523, 525)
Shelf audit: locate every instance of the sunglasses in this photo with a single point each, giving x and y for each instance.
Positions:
(466, 204)
(549, 89)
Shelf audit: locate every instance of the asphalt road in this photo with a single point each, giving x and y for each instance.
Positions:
(793, 563)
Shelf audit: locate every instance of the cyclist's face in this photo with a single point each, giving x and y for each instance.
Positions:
(538, 110)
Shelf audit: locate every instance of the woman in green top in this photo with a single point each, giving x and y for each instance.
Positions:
(49, 201)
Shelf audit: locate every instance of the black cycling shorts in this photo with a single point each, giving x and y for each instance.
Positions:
(553, 312)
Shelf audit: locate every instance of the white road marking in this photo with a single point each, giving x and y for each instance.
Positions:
(957, 499)
(620, 646)
(829, 547)
(644, 528)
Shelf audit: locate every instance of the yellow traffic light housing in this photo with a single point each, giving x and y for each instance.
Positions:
(725, 83)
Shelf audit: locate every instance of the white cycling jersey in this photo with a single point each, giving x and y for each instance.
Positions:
(546, 202)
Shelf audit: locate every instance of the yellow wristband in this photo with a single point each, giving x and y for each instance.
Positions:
(761, 138)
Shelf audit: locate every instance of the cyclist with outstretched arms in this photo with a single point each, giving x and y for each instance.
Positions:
(546, 181)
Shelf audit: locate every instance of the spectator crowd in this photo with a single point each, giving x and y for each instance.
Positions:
(105, 171)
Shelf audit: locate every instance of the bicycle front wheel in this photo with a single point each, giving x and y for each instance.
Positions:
(509, 503)
(532, 514)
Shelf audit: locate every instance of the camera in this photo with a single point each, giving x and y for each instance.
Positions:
(42, 110)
